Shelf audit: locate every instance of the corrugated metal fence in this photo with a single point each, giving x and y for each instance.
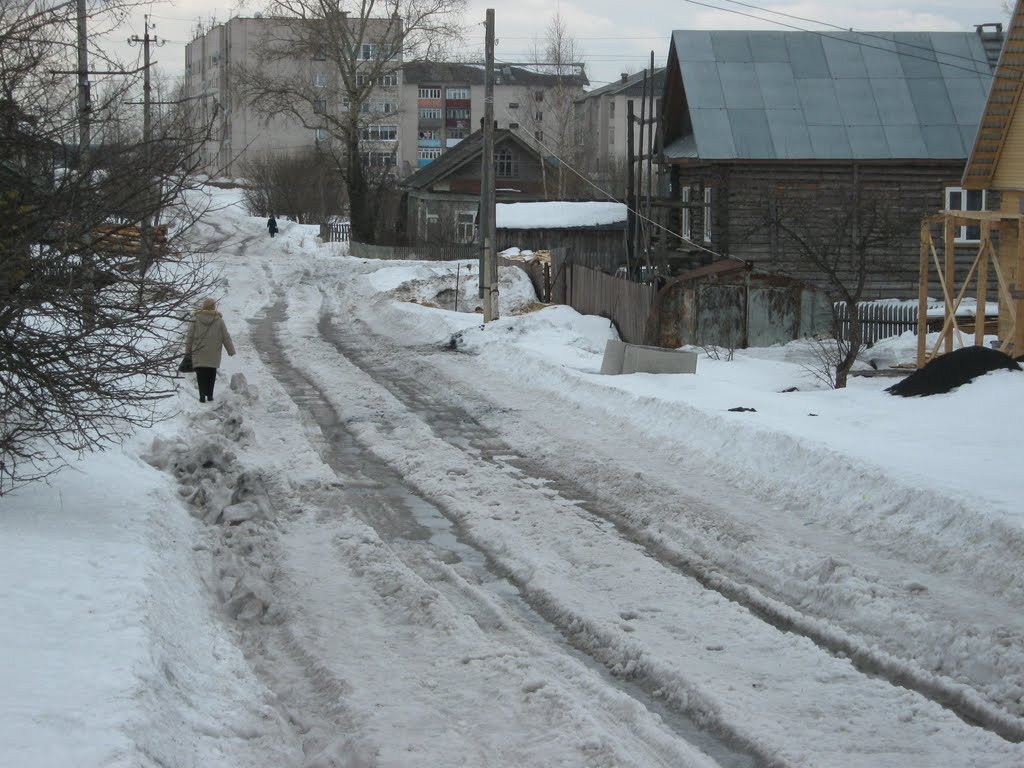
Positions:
(879, 320)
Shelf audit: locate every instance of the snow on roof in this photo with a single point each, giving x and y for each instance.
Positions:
(558, 215)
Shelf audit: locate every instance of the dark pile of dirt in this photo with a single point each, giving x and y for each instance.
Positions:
(949, 371)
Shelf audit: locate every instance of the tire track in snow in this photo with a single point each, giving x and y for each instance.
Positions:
(395, 372)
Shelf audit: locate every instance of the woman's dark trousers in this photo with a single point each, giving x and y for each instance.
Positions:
(205, 377)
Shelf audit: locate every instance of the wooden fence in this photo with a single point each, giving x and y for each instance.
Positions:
(336, 232)
(414, 253)
(627, 304)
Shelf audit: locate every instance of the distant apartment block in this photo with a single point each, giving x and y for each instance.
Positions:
(412, 117)
(603, 125)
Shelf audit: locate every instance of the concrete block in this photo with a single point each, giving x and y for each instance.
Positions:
(620, 357)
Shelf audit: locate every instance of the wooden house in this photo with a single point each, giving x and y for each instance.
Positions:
(442, 199)
(995, 172)
(592, 233)
(773, 139)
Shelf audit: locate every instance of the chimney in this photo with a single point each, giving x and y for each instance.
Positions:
(624, 76)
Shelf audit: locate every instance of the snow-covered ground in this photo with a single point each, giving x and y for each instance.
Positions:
(399, 537)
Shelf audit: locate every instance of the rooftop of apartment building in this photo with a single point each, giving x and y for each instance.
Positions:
(629, 85)
(539, 75)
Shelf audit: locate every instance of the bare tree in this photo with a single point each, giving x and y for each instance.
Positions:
(335, 65)
(88, 338)
(548, 114)
(300, 186)
(840, 238)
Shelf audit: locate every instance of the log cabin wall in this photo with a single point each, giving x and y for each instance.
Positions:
(746, 197)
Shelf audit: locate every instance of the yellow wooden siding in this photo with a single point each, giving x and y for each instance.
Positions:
(1010, 167)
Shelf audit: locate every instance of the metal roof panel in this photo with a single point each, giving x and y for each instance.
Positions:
(732, 47)
(713, 132)
(844, 56)
(740, 86)
(905, 141)
(750, 134)
(857, 102)
(807, 56)
(778, 87)
(819, 102)
(892, 98)
(693, 45)
(931, 101)
(944, 141)
(868, 141)
(830, 142)
(917, 56)
(704, 89)
(790, 138)
(766, 47)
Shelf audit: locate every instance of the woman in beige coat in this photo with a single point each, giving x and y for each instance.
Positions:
(207, 335)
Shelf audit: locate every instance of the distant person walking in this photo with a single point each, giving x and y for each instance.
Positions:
(207, 335)
(272, 226)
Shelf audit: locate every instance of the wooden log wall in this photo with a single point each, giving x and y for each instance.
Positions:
(746, 197)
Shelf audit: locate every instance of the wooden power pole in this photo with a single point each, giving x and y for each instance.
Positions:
(489, 259)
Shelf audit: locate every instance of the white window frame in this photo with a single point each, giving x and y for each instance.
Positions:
(708, 198)
(319, 79)
(320, 134)
(686, 219)
(430, 113)
(429, 92)
(428, 153)
(380, 132)
(965, 234)
(457, 93)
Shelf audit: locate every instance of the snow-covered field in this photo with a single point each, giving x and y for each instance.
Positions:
(399, 537)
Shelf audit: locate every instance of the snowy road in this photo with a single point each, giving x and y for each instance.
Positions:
(460, 568)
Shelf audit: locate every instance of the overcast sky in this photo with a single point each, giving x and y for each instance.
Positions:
(615, 35)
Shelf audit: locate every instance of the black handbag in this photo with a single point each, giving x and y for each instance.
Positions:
(185, 366)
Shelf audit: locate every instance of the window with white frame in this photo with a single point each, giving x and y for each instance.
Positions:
(379, 159)
(319, 79)
(457, 93)
(506, 165)
(685, 226)
(429, 92)
(320, 134)
(320, 106)
(959, 199)
(382, 107)
(707, 214)
(380, 132)
(388, 80)
(428, 153)
(369, 51)
(458, 113)
(430, 113)
(363, 80)
(465, 226)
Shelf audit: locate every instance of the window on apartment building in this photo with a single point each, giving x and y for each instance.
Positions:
(319, 79)
(611, 110)
(459, 113)
(380, 132)
(320, 134)
(513, 105)
(384, 107)
(429, 92)
(538, 96)
(320, 106)
(379, 159)
(513, 126)
(319, 54)
(959, 199)
(538, 135)
(429, 134)
(457, 133)
(369, 51)
(428, 153)
(538, 116)
(430, 113)
(506, 165)
(458, 92)
(388, 80)
(708, 197)
(362, 80)
(611, 135)
(685, 219)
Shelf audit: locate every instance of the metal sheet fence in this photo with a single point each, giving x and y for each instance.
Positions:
(879, 320)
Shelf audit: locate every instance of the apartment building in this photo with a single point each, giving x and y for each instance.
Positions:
(443, 103)
(416, 111)
(602, 121)
(214, 59)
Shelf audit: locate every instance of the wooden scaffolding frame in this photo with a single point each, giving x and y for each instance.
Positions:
(1010, 296)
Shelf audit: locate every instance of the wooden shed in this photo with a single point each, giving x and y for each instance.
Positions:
(996, 165)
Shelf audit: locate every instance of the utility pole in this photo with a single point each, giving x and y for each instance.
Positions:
(489, 260)
(146, 253)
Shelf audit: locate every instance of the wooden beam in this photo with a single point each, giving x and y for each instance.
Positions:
(984, 255)
(950, 270)
(922, 292)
